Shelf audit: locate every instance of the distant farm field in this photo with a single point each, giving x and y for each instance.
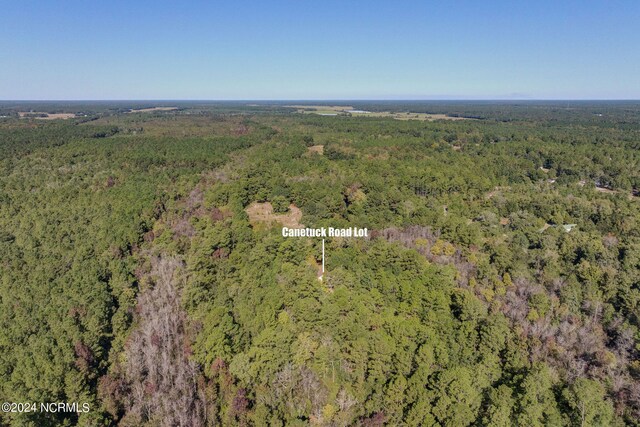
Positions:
(148, 110)
(45, 116)
(335, 110)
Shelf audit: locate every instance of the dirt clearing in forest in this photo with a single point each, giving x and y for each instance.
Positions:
(263, 212)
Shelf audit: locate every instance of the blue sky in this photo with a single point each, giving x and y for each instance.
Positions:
(350, 49)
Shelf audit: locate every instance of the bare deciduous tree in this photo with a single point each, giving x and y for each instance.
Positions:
(163, 382)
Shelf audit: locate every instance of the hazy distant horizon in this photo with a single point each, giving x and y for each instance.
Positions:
(342, 100)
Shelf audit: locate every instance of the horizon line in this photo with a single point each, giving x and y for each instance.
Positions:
(331, 100)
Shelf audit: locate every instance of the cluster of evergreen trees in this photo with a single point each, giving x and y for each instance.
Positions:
(500, 285)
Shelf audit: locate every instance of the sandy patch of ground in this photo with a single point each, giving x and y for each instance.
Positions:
(318, 149)
(263, 212)
(45, 116)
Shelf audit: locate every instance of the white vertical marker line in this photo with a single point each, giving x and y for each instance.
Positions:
(322, 256)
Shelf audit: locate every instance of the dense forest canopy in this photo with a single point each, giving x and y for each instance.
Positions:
(143, 269)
